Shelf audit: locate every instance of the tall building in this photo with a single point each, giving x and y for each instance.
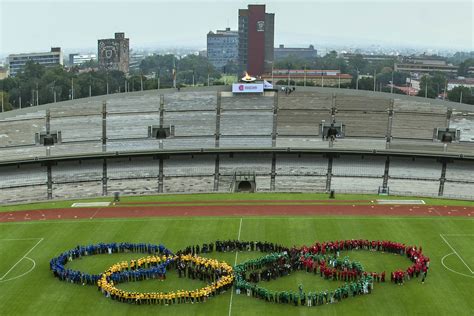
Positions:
(222, 47)
(17, 62)
(114, 53)
(256, 39)
(283, 52)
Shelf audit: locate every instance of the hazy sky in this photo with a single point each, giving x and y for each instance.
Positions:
(36, 25)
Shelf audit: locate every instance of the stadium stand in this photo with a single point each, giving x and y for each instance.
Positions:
(246, 125)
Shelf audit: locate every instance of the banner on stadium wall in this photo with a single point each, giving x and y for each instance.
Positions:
(247, 88)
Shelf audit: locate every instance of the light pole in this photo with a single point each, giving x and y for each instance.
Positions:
(391, 86)
(375, 78)
(72, 88)
(90, 85)
(3, 95)
(357, 79)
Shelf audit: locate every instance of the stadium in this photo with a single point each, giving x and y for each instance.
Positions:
(186, 167)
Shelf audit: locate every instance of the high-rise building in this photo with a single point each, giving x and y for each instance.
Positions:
(222, 47)
(256, 39)
(113, 53)
(78, 59)
(17, 62)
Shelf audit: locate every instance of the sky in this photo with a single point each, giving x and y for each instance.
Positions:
(37, 25)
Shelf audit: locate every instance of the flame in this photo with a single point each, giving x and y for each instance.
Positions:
(247, 77)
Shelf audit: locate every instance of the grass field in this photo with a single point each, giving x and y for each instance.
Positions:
(34, 291)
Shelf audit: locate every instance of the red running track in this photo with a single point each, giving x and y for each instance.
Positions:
(236, 210)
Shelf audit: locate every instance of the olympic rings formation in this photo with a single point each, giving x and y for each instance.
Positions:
(321, 258)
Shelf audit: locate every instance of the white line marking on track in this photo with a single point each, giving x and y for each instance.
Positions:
(26, 254)
(454, 251)
(444, 265)
(235, 262)
(95, 213)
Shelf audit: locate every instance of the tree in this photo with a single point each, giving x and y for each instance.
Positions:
(6, 102)
(463, 69)
(432, 86)
(455, 95)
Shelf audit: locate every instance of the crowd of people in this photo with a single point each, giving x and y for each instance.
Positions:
(204, 268)
(232, 246)
(58, 264)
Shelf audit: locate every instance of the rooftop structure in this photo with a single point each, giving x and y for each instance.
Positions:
(17, 62)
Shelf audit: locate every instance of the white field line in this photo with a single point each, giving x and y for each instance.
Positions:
(454, 271)
(235, 262)
(26, 254)
(18, 239)
(23, 274)
(454, 251)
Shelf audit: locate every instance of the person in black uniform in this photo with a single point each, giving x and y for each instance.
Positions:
(331, 133)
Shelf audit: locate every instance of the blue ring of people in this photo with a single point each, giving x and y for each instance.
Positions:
(321, 259)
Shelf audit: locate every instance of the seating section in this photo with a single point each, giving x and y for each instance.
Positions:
(252, 142)
(246, 122)
(301, 122)
(186, 143)
(22, 194)
(419, 168)
(188, 184)
(413, 187)
(78, 128)
(356, 165)
(363, 123)
(132, 168)
(149, 102)
(191, 101)
(191, 123)
(301, 183)
(305, 100)
(465, 123)
(459, 170)
(77, 190)
(361, 103)
(301, 165)
(22, 175)
(231, 102)
(185, 166)
(356, 184)
(77, 171)
(20, 132)
(417, 120)
(258, 164)
(459, 189)
(133, 186)
(130, 125)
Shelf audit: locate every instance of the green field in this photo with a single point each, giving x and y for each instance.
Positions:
(447, 290)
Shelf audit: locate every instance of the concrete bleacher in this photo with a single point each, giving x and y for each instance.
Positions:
(130, 125)
(77, 171)
(413, 187)
(188, 184)
(195, 123)
(356, 184)
(133, 167)
(302, 183)
(363, 123)
(250, 141)
(464, 121)
(301, 122)
(305, 100)
(458, 170)
(419, 168)
(22, 175)
(77, 190)
(459, 189)
(133, 186)
(246, 122)
(417, 120)
(232, 102)
(304, 164)
(190, 101)
(22, 194)
(78, 128)
(361, 103)
(357, 165)
(260, 164)
(134, 103)
(20, 132)
(182, 166)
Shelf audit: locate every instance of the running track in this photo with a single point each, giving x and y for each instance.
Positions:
(123, 211)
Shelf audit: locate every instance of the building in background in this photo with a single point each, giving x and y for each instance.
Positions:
(78, 59)
(222, 47)
(310, 77)
(283, 52)
(426, 64)
(17, 62)
(256, 39)
(113, 53)
(135, 60)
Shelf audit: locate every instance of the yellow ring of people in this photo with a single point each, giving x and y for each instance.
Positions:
(155, 267)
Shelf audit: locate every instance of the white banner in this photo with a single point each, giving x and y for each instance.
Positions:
(247, 88)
